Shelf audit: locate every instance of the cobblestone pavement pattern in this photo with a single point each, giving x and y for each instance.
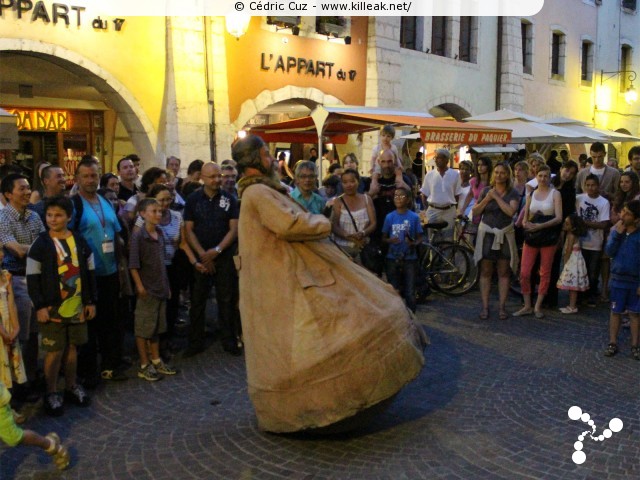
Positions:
(491, 403)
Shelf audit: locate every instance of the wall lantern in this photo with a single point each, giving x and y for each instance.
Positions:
(237, 24)
(631, 95)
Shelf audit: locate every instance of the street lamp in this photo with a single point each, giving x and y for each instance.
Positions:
(237, 24)
(630, 95)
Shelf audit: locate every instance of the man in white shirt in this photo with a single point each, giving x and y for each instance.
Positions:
(440, 191)
(594, 209)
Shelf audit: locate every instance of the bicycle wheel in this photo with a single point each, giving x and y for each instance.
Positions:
(473, 272)
(449, 269)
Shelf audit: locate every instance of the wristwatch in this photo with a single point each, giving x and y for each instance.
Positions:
(218, 249)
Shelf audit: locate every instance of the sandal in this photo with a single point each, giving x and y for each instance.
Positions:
(503, 315)
(635, 352)
(18, 417)
(611, 350)
(569, 310)
(484, 314)
(522, 312)
(58, 452)
(538, 314)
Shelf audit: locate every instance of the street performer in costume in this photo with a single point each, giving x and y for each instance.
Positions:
(325, 340)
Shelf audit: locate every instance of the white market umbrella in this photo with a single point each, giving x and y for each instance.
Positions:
(529, 129)
(607, 136)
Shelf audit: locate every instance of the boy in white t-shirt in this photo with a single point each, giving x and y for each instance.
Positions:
(594, 210)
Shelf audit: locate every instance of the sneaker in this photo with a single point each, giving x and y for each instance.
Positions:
(77, 396)
(148, 373)
(53, 405)
(164, 369)
(114, 375)
(58, 452)
(611, 350)
(635, 352)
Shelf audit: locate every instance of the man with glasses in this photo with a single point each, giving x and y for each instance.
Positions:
(229, 177)
(306, 183)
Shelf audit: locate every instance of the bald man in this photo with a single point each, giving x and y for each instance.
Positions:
(211, 223)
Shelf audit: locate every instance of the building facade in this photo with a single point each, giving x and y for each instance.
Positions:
(83, 83)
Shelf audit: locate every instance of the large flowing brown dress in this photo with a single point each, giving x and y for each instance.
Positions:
(324, 338)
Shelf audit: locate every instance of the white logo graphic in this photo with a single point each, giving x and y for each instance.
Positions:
(575, 413)
(225, 203)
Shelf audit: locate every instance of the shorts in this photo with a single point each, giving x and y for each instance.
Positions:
(624, 299)
(10, 433)
(151, 317)
(57, 335)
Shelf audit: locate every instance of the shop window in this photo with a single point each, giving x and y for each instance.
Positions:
(586, 64)
(629, 5)
(527, 46)
(440, 30)
(558, 47)
(467, 51)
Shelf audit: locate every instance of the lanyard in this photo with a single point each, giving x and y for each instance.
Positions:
(100, 215)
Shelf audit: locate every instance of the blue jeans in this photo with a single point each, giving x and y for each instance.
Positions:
(402, 276)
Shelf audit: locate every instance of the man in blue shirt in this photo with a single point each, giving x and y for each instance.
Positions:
(306, 183)
(211, 224)
(98, 225)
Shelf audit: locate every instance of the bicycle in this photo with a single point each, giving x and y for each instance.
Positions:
(463, 238)
(445, 265)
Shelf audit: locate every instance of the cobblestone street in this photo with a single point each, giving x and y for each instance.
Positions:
(492, 402)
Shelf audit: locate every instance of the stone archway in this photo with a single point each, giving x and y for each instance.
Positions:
(117, 96)
(252, 107)
(449, 106)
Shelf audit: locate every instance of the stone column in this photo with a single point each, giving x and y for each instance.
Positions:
(184, 131)
(511, 89)
(383, 74)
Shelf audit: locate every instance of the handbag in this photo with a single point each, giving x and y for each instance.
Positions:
(371, 254)
(545, 237)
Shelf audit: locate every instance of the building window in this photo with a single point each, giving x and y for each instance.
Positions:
(558, 44)
(467, 51)
(408, 33)
(625, 66)
(629, 5)
(527, 47)
(331, 26)
(439, 32)
(586, 66)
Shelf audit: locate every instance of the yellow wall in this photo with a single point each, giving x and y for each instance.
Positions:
(134, 56)
(247, 78)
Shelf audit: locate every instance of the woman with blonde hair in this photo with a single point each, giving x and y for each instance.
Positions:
(496, 242)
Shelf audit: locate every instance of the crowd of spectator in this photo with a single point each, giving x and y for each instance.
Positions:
(119, 252)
